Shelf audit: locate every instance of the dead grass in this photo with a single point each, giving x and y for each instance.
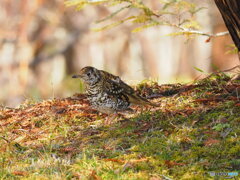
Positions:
(195, 131)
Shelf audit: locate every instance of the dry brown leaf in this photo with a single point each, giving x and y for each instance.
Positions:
(139, 160)
(68, 149)
(129, 161)
(19, 173)
(115, 160)
(171, 164)
(94, 175)
(211, 133)
(210, 142)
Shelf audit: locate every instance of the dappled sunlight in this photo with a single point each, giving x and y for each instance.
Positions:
(158, 94)
(66, 137)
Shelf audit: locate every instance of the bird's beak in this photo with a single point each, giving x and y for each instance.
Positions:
(76, 76)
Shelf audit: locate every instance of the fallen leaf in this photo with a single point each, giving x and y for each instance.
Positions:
(68, 149)
(77, 175)
(115, 160)
(171, 164)
(139, 160)
(124, 161)
(212, 133)
(19, 173)
(210, 142)
(94, 175)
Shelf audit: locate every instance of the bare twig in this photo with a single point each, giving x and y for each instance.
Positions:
(196, 32)
(205, 34)
(113, 14)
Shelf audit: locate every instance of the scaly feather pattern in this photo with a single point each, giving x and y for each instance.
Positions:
(108, 93)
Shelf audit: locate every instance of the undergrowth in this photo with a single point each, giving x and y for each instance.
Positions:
(195, 131)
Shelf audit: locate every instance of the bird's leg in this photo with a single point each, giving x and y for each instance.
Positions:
(110, 118)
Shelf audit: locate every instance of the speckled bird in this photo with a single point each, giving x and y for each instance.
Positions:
(107, 93)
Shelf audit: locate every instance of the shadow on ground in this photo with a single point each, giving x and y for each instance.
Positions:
(195, 131)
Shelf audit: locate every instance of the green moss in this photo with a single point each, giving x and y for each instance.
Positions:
(184, 139)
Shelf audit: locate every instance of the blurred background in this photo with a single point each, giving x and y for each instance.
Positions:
(43, 42)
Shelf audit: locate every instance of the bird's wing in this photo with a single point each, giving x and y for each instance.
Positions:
(115, 86)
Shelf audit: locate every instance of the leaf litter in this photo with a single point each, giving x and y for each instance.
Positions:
(192, 118)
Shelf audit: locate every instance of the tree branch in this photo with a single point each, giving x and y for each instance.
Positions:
(210, 35)
(196, 32)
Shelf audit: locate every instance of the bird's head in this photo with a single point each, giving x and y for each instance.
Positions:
(89, 75)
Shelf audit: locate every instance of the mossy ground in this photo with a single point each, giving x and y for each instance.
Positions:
(195, 131)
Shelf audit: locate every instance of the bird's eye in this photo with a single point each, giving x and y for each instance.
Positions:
(88, 74)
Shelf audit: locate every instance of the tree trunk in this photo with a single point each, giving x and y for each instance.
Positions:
(230, 11)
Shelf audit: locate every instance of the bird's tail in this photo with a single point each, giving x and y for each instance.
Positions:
(138, 100)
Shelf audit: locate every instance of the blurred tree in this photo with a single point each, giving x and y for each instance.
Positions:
(179, 14)
(42, 42)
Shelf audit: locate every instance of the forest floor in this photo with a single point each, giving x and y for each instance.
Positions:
(192, 135)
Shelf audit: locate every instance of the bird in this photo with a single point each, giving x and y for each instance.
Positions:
(107, 93)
